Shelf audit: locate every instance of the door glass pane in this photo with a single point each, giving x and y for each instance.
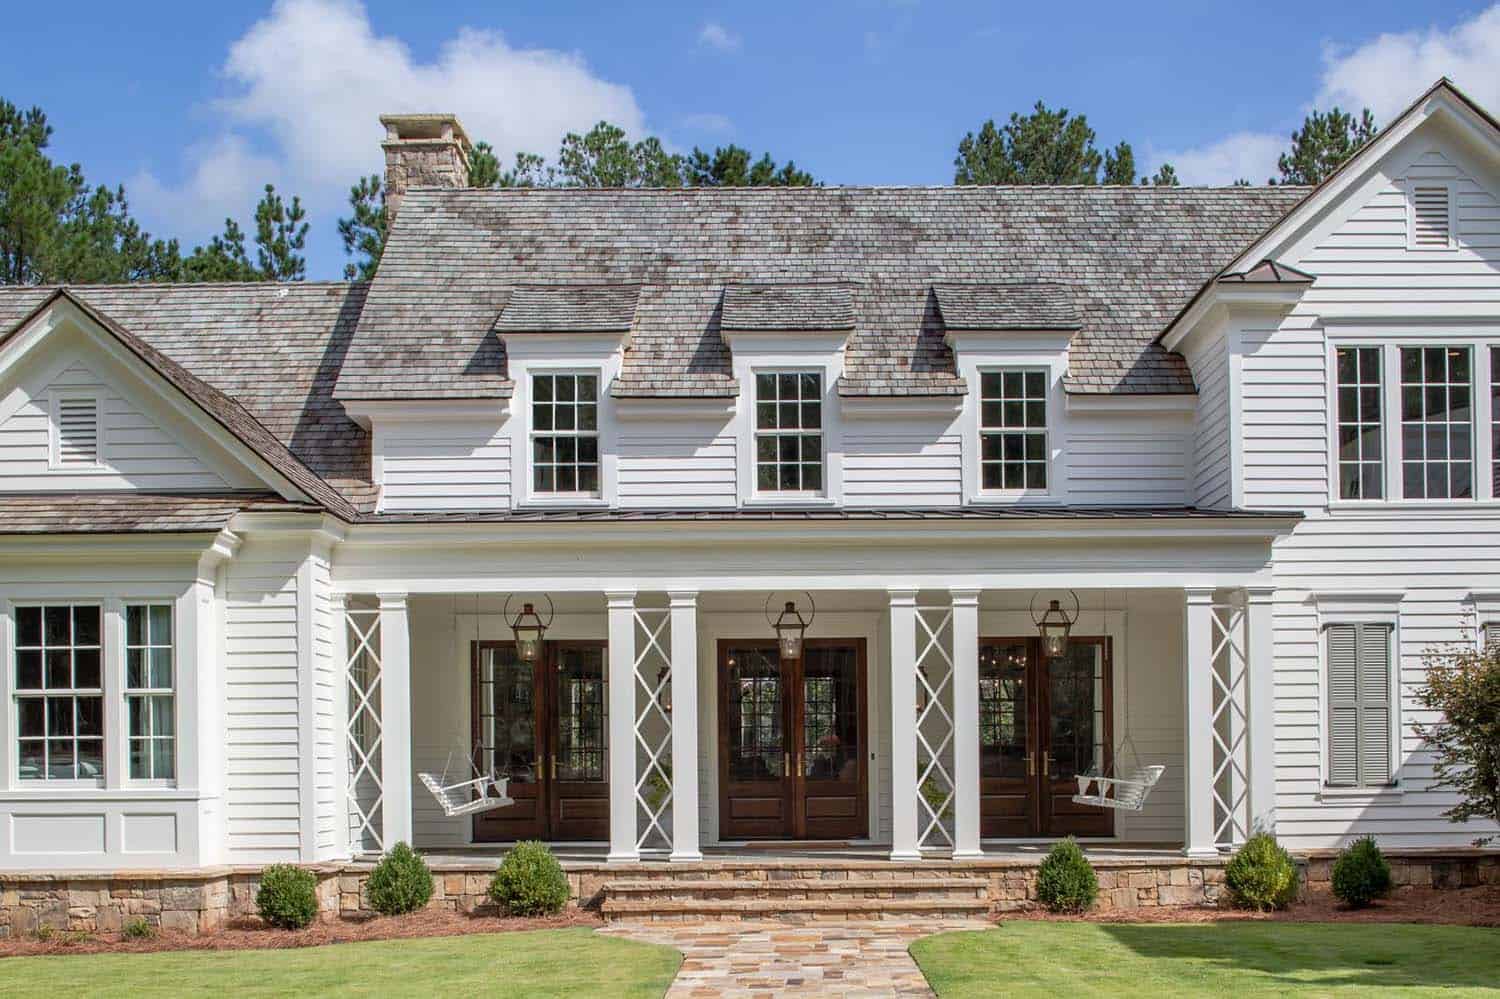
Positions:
(1002, 709)
(753, 699)
(580, 714)
(507, 714)
(1076, 690)
(830, 714)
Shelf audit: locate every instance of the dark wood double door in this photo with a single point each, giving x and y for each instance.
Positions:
(1041, 722)
(544, 725)
(792, 741)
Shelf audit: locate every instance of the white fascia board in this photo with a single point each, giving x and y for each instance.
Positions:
(1181, 403)
(779, 342)
(367, 412)
(675, 407)
(1004, 343)
(187, 546)
(900, 407)
(567, 347)
(324, 530)
(1221, 300)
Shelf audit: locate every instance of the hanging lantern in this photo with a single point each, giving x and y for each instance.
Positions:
(529, 629)
(790, 626)
(1054, 626)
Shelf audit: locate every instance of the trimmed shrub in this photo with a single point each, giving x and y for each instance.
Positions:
(1065, 882)
(137, 929)
(530, 882)
(1360, 874)
(288, 897)
(400, 883)
(1261, 876)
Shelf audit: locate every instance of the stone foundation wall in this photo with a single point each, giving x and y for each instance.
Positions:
(1421, 868)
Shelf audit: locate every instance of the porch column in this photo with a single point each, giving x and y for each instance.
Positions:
(684, 652)
(395, 720)
(903, 609)
(1261, 662)
(965, 724)
(622, 818)
(1198, 720)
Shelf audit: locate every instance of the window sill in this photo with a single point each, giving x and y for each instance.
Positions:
(1345, 794)
(1019, 498)
(567, 501)
(789, 500)
(80, 792)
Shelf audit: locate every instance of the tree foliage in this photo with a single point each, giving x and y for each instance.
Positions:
(1464, 685)
(1046, 147)
(280, 236)
(363, 232)
(1322, 144)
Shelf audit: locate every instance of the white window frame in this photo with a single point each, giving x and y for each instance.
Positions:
(127, 692)
(788, 496)
(1360, 607)
(577, 496)
(108, 746)
(1385, 442)
(1047, 430)
(1409, 201)
(54, 434)
(1390, 338)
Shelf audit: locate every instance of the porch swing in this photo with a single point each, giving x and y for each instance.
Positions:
(481, 792)
(1122, 788)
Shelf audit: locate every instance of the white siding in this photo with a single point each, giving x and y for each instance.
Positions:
(902, 468)
(328, 672)
(1128, 460)
(672, 465)
(1210, 485)
(444, 466)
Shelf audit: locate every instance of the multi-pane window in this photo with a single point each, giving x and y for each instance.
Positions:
(149, 685)
(1436, 423)
(565, 433)
(1495, 420)
(1359, 705)
(1361, 464)
(1013, 429)
(789, 432)
(59, 692)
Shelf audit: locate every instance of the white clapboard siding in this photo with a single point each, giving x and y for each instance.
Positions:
(1127, 467)
(665, 465)
(902, 469)
(445, 466)
(261, 715)
(329, 748)
(1210, 485)
(127, 449)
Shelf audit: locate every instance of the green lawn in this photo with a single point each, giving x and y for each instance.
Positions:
(1228, 960)
(541, 963)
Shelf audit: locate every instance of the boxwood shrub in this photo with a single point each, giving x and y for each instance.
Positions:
(400, 883)
(1065, 882)
(1361, 874)
(288, 897)
(530, 882)
(1261, 875)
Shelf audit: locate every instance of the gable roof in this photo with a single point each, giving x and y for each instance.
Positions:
(1015, 306)
(258, 358)
(1130, 256)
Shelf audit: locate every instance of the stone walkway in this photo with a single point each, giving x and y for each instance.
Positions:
(860, 960)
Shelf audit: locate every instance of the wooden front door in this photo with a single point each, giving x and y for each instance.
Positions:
(543, 725)
(792, 737)
(1041, 722)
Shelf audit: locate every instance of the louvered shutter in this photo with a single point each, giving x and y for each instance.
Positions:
(1430, 218)
(1343, 704)
(1374, 704)
(78, 431)
(1492, 637)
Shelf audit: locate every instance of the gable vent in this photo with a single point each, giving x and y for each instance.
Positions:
(1430, 218)
(77, 431)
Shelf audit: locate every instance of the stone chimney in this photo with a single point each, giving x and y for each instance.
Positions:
(422, 150)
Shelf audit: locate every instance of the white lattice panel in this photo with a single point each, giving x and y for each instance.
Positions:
(1230, 724)
(934, 727)
(653, 727)
(366, 788)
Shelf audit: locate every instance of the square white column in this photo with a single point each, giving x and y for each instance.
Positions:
(395, 720)
(1198, 720)
(965, 724)
(1261, 661)
(622, 818)
(684, 652)
(903, 610)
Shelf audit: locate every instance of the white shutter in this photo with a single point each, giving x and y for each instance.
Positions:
(1374, 704)
(78, 431)
(1430, 222)
(1343, 704)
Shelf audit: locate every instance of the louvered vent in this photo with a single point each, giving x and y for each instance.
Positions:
(1430, 218)
(77, 432)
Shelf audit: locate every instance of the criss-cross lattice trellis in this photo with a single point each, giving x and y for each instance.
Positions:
(653, 727)
(366, 788)
(934, 729)
(1230, 723)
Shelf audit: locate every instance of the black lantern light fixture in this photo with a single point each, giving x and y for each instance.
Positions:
(1055, 625)
(790, 626)
(529, 629)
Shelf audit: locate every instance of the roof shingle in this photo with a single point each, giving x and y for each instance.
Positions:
(1014, 306)
(586, 308)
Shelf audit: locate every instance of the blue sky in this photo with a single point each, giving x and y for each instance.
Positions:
(195, 106)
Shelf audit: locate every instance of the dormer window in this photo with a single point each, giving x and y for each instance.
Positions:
(565, 433)
(1013, 430)
(789, 432)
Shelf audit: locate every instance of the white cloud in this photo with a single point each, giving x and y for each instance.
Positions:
(225, 179)
(1245, 155)
(309, 80)
(716, 36)
(707, 121)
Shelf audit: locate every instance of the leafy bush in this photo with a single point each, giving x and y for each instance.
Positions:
(400, 883)
(1360, 874)
(530, 882)
(1262, 875)
(1065, 882)
(1463, 686)
(288, 897)
(137, 929)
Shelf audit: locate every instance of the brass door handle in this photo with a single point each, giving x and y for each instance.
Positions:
(1046, 764)
(1030, 765)
(554, 768)
(786, 764)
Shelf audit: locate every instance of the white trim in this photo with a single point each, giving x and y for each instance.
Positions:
(367, 412)
(1048, 354)
(794, 497)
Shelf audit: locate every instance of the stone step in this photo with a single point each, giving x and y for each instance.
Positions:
(791, 909)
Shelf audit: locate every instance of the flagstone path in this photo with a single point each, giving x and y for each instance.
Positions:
(860, 960)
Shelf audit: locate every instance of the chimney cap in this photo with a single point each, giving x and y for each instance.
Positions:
(424, 128)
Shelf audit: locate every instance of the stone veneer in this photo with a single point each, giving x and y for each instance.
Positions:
(203, 900)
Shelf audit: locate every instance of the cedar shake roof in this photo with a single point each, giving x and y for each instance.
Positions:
(569, 308)
(1131, 257)
(771, 307)
(121, 513)
(1040, 306)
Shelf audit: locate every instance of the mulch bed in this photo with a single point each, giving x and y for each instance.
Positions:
(252, 934)
(1451, 906)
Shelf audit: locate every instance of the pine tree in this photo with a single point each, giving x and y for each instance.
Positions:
(1322, 144)
(1043, 147)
